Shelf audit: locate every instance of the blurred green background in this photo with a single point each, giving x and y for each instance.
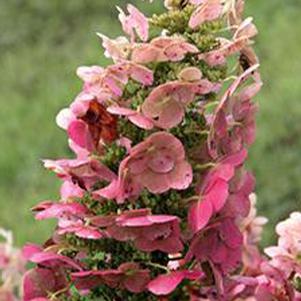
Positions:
(41, 44)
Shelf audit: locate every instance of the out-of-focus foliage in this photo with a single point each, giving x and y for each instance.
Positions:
(42, 43)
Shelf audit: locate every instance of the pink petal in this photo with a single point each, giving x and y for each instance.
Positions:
(83, 232)
(164, 141)
(135, 21)
(89, 74)
(142, 74)
(145, 54)
(181, 176)
(87, 280)
(137, 282)
(30, 249)
(215, 58)
(236, 159)
(250, 91)
(199, 215)
(143, 221)
(161, 164)
(190, 74)
(142, 121)
(153, 182)
(69, 190)
(52, 259)
(109, 192)
(177, 51)
(57, 210)
(209, 10)
(170, 245)
(141, 21)
(171, 115)
(78, 131)
(218, 195)
(120, 111)
(138, 165)
(166, 284)
(64, 118)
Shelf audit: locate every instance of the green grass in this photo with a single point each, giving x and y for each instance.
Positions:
(42, 43)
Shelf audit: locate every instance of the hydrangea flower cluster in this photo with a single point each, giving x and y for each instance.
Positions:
(156, 203)
(12, 267)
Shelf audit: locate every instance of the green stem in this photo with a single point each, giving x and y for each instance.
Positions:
(157, 265)
(201, 167)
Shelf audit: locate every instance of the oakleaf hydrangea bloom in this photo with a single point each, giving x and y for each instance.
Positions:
(155, 204)
(12, 266)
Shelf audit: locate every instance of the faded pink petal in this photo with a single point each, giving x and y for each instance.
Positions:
(135, 117)
(190, 74)
(82, 231)
(89, 74)
(69, 190)
(142, 74)
(176, 52)
(134, 23)
(57, 210)
(64, 118)
(117, 49)
(209, 10)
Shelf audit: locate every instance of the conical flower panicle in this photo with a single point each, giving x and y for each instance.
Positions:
(152, 203)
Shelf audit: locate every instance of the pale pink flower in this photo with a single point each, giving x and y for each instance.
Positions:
(134, 23)
(273, 285)
(190, 74)
(158, 164)
(252, 228)
(108, 84)
(102, 83)
(252, 225)
(118, 49)
(285, 256)
(12, 266)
